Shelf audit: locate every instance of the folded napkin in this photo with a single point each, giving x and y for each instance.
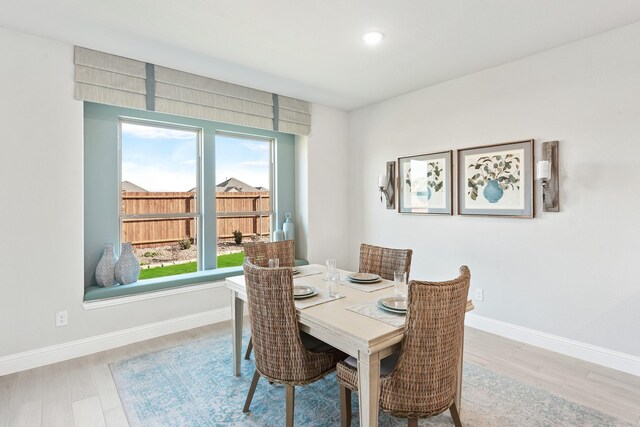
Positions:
(372, 310)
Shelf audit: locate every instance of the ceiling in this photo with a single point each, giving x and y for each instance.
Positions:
(312, 49)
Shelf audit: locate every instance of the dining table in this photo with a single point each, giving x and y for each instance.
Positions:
(339, 323)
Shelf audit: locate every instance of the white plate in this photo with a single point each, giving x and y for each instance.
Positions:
(391, 310)
(312, 294)
(394, 303)
(363, 277)
(301, 291)
(295, 270)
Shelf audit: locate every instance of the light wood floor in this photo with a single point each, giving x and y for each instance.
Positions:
(81, 392)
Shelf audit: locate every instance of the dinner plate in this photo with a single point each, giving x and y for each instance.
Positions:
(365, 282)
(391, 310)
(295, 270)
(395, 303)
(363, 277)
(300, 291)
(312, 294)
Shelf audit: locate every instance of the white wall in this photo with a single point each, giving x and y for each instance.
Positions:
(571, 274)
(328, 187)
(41, 220)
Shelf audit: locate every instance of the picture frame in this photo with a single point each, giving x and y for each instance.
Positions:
(425, 183)
(496, 180)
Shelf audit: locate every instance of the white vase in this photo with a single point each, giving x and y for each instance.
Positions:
(105, 270)
(288, 228)
(128, 267)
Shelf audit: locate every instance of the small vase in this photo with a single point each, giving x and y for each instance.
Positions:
(493, 191)
(288, 227)
(278, 236)
(424, 195)
(105, 270)
(128, 267)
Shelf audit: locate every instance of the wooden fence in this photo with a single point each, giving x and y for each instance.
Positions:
(153, 232)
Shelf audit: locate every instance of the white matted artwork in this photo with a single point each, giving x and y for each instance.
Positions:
(496, 180)
(425, 184)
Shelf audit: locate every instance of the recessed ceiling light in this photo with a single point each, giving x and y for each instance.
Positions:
(372, 37)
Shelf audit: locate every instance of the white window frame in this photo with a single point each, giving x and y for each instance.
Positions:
(197, 215)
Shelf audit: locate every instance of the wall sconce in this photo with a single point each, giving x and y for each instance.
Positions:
(386, 185)
(547, 174)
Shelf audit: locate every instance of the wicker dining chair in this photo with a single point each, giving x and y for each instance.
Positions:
(260, 253)
(384, 261)
(419, 381)
(282, 353)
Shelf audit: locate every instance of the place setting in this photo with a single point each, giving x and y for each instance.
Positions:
(391, 309)
(366, 282)
(304, 294)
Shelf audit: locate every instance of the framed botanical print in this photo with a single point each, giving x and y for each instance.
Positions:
(496, 180)
(425, 184)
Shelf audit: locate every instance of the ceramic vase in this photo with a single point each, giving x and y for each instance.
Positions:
(493, 191)
(288, 228)
(105, 271)
(128, 267)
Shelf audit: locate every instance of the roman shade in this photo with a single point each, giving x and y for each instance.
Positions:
(109, 79)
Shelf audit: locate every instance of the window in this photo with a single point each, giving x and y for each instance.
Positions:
(159, 205)
(243, 197)
(151, 178)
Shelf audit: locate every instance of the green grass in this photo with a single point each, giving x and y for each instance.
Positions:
(230, 260)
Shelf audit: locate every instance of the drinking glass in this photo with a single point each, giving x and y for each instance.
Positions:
(400, 283)
(331, 267)
(334, 278)
(274, 262)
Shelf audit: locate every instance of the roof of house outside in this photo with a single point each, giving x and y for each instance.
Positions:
(235, 185)
(130, 187)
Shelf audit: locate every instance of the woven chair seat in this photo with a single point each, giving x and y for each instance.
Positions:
(347, 370)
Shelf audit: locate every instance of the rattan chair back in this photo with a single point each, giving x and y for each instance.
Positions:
(384, 261)
(279, 353)
(260, 253)
(423, 382)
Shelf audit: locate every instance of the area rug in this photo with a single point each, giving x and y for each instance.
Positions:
(193, 385)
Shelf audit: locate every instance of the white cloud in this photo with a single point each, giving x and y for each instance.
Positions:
(150, 132)
(257, 146)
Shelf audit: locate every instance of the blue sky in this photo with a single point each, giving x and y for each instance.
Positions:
(162, 159)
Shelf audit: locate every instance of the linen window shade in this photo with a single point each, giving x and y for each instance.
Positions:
(114, 80)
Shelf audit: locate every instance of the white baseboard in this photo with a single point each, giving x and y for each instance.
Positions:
(591, 353)
(57, 353)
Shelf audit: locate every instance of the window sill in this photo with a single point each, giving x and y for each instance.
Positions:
(95, 296)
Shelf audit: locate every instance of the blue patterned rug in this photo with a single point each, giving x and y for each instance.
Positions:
(193, 385)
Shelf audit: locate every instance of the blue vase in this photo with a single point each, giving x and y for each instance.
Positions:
(493, 191)
(424, 195)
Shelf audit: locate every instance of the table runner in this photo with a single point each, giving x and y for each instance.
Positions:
(372, 310)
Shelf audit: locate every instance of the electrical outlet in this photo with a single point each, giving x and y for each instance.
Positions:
(479, 295)
(62, 318)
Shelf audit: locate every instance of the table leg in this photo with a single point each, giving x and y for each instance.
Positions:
(369, 388)
(458, 397)
(236, 318)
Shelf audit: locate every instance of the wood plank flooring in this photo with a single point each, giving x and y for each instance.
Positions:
(81, 392)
